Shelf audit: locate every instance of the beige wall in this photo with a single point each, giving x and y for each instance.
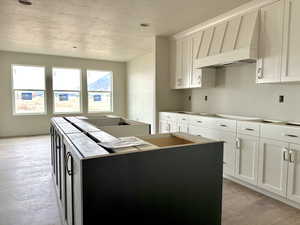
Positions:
(30, 125)
(237, 93)
(141, 89)
(166, 98)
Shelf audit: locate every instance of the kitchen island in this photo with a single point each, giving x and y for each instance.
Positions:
(168, 179)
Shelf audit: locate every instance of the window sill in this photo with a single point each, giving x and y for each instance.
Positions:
(30, 114)
(100, 112)
(66, 113)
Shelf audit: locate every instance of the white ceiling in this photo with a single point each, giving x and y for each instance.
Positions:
(101, 29)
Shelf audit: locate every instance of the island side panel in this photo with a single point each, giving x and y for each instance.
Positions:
(179, 185)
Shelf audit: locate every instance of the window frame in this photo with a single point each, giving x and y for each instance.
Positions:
(72, 91)
(13, 91)
(111, 92)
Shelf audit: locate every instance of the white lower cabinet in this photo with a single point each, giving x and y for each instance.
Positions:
(229, 145)
(247, 158)
(273, 166)
(202, 131)
(229, 156)
(259, 154)
(174, 127)
(183, 127)
(293, 192)
(167, 126)
(164, 126)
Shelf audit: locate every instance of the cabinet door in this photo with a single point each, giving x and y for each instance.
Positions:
(196, 74)
(178, 81)
(174, 127)
(247, 158)
(69, 189)
(183, 63)
(270, 45)
(229, 139)
(57, 165)
(273, 166)
(164, 126)
(294, 173)
(291, 46)
(183, 127)
(52, 146)
(186, 62)
(60, 168)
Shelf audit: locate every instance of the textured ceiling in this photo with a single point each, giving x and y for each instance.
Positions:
(101, 29)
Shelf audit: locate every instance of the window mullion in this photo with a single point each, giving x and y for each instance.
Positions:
(66, 91)
(29, 89)
(100, 91)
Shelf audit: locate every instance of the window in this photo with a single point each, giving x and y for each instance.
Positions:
(66, 90)
(99, 90)
(28, 89)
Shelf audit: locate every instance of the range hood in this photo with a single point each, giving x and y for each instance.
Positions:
(231, 41)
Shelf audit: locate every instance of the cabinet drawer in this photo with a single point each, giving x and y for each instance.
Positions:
(181, 118)
(282, 133)
(225, 125)
(201, 121)
(203, 132)
(248, 128)
(167, 116)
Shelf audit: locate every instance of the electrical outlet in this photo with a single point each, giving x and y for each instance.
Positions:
(205, 98)
(281, 99)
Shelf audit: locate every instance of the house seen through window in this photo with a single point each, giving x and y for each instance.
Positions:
(66, 90)
(99, 90)
(28, 83)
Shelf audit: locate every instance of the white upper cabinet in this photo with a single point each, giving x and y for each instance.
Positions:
(270, 44)
(267, 34)
(178, 81)
(186, 62)
(291, 46)
(279, 47)
(196, 75)
(186, 75)
(183, 63)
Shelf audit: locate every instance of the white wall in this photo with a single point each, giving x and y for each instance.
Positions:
(148, 85)
(31, 125)
(141, 89)
(237, 93)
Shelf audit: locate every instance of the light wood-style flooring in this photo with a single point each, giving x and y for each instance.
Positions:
(27, 195)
